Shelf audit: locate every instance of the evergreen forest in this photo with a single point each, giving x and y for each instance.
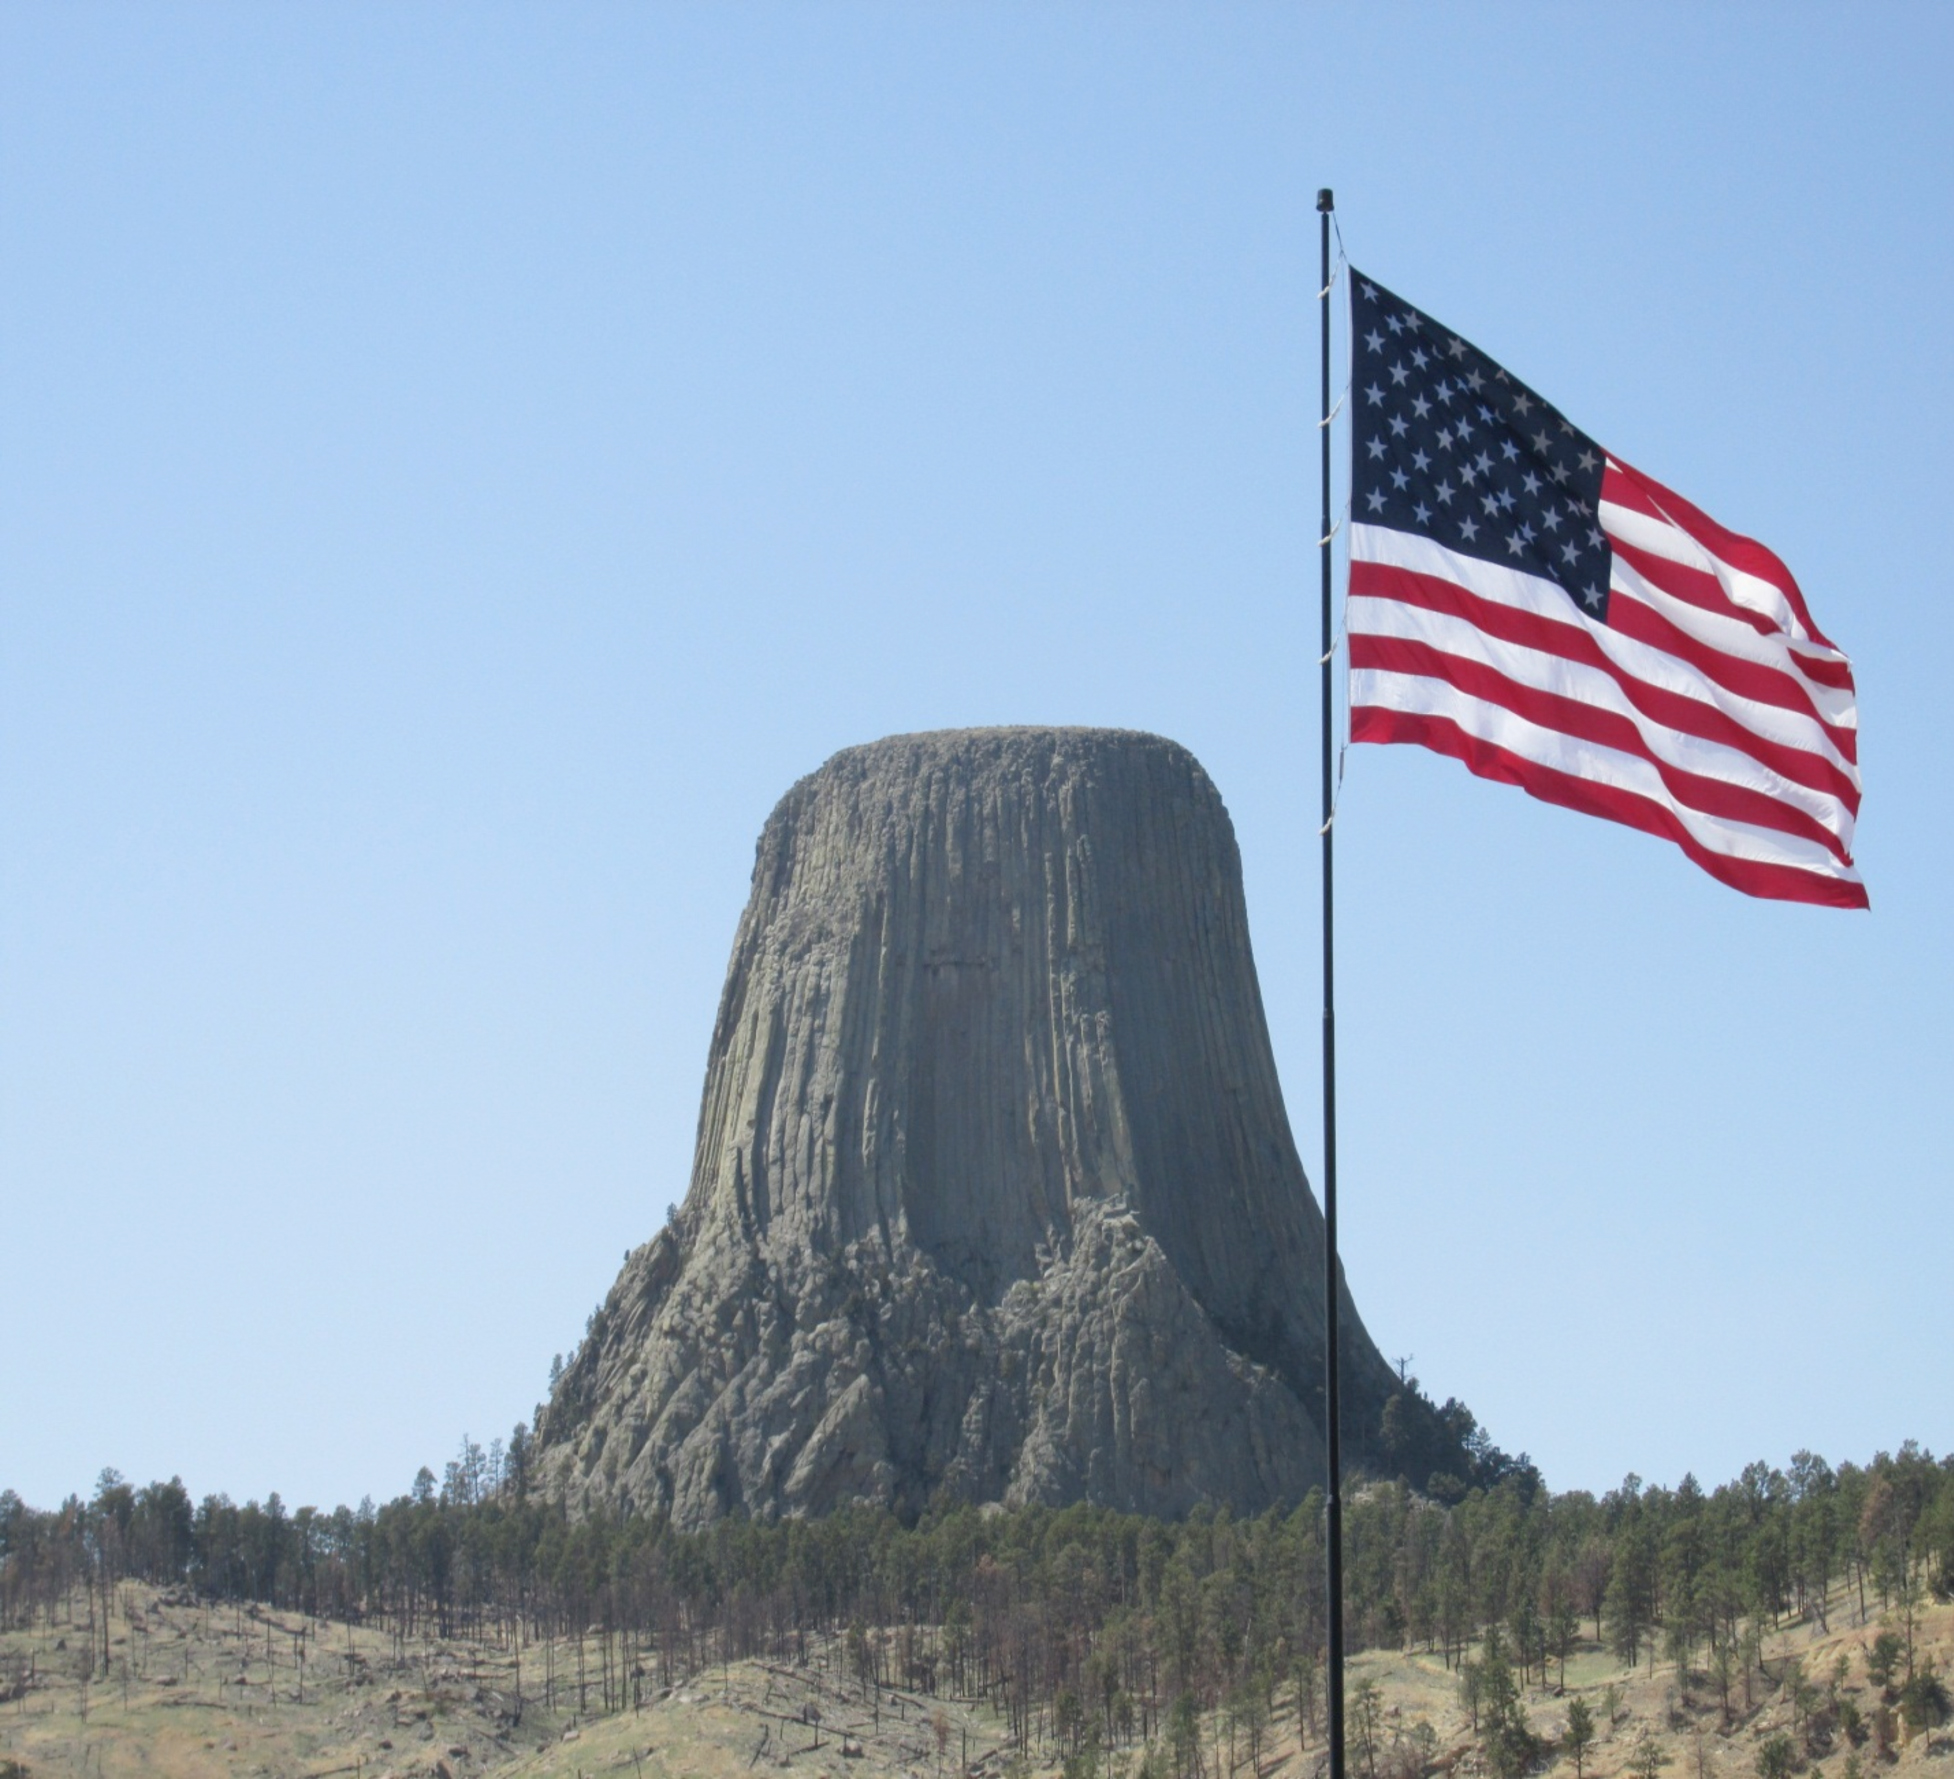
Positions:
(1086, 1628)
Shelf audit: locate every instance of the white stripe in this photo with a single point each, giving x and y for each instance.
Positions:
(1664, 537)
(1731, 636)
(1639, 660)
(1424, 555)
(1593, 688)
(1499, 727)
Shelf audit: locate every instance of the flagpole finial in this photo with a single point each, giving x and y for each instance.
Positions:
(1325, 200)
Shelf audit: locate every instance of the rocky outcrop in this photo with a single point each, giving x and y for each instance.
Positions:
(994, 1191)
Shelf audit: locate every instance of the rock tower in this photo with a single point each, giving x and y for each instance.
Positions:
(994, 1191)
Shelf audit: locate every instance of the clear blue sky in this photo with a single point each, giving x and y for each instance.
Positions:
(459, 465)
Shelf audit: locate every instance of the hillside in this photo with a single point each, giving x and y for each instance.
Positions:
(1806, 1615)
(194, 1689)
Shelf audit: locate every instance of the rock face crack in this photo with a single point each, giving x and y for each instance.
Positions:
(994, 1191)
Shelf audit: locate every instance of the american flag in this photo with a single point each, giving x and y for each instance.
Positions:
(1529, 604)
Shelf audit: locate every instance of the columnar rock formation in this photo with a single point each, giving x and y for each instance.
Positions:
(994, 1190)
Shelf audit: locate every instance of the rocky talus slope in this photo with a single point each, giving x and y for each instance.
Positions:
(994, 1190)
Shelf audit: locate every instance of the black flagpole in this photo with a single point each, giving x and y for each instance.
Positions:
(1332, 1298)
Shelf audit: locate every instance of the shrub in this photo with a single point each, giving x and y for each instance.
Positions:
(1884, 1658)
(1924, 1704)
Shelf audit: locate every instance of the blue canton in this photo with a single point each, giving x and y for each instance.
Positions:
(1447, 445)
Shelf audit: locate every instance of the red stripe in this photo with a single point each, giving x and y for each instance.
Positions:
(1586, 722)
(1784, 883)
(1700, 588)
(1575, 642)
(1748, 679)
(1733, 547)
(1694, 586)
(1829, 670)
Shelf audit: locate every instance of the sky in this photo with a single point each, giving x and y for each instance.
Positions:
(459, 465)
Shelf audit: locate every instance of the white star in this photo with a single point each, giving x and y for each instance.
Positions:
(1484, 461)
(1376, 501)
(1506, 499)
(1567, 429)
(1570, 553)
(1540, 443)
(1444, 392)
(1370, 291)
(1559, 472)
(1374, 340)
(1419, 358)
(1422, 513)
(1475, 382)
(1420, 406)
(1411, 321)
(1526, 534)
(1593, 596)
(1513, 545)
(1456, 346)
(1502, 377)
(1523, 404)
(1509, 450)
(1375, 447)
(1399, 480)
(1550, 519)
(1420, 462)
(1468, 529)
(1445, 491)
(1467, 474)
(1399, 373)
(1374, 395)
(1587, 461)
(1394, 324)
(1445, 437)
(1397, 426)
(1491, 504)
(1464, 427)
(1594, 536)
(1530, 482)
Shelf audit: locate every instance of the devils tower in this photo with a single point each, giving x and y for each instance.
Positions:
(994, 1191)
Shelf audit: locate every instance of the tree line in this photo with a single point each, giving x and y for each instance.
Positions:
(1085, 1628)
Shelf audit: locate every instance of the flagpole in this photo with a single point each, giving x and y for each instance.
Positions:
(1332, 1298)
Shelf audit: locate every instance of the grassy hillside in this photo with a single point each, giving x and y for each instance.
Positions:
(191, 1688)
(1799, 1619)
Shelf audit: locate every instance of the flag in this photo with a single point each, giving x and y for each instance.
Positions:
(1531, 605)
